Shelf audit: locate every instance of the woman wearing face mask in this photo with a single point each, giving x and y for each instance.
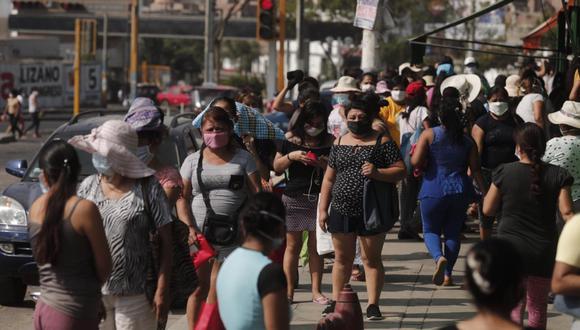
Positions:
(494, 136)
(446, 189)
(305, 163)
(391, 111)
(368, 82)
(147, 120)
(342, 92)
(564, 151)
(132, 204)
(251, 289)
(415, 117)
(528, 193)
(351, 160)
(229, 176)
(69, 246)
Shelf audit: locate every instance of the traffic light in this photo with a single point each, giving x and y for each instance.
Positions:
(266, 25)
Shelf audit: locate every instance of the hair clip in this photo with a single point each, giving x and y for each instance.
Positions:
(65, 162)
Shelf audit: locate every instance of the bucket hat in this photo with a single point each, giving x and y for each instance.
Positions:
(512, 85)
(568, 115)
(346, 84)
(143, 115)
(468, 85)
(118, 142)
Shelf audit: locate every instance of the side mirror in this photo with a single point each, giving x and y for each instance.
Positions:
(17, 168)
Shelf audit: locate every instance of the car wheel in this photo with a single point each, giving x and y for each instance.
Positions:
(13, 291)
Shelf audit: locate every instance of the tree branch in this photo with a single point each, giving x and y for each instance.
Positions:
(234, 9)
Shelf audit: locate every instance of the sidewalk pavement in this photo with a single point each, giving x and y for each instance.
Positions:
(408, 301)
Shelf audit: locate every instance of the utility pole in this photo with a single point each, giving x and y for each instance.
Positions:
(104, 63)
(209, 41)
(77, 69)
(133, 70)
(272, 69)
(281, 39)
(369, 50)
(300, 56)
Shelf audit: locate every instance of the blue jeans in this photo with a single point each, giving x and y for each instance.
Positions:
(443, 215)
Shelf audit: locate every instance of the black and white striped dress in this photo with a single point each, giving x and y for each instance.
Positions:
(127, 229)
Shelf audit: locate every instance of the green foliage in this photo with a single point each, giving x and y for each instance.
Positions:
(243, 52)
(395, 52)
(185, 57)
(336, 9)
(253, 83)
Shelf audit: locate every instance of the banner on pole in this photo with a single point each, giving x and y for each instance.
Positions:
(366, 14)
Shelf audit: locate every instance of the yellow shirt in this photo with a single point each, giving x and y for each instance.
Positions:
(389, 115)
(568, 248)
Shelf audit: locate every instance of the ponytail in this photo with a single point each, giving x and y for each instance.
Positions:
(531, 141)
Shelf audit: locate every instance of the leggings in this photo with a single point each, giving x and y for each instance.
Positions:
(443, 215)
(536, 301)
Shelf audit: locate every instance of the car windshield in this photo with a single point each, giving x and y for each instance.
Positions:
(208, 95)
(167, 152)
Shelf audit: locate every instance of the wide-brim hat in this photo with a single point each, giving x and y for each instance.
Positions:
(568, 115)
(118, 142)
(408, 65)
(468, 85)
(512, 85)
(346, 84)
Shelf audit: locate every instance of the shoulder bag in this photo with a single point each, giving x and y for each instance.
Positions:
(218, 229)
(380, 205)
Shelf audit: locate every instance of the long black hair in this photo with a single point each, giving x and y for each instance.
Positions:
(449, 117)
(368, 102)
(493, 274)
(60, 164)
(311, 109)
(262, 215)
(532, 141)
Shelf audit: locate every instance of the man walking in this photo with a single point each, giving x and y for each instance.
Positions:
(34, 113)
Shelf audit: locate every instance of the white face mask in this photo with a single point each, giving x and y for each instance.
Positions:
(498, 108)
(398, 96)
(367, 87)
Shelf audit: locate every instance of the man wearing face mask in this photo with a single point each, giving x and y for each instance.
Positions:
(368, 82)
(494, 135)
(391, 111)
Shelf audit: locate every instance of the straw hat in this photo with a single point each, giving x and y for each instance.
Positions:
(568, 115)
(468, 85)
(118, 142)
(408, 65)
(346, 84)
(512, 85)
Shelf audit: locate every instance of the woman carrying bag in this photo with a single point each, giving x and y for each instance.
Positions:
(349, 165)
(218, 180)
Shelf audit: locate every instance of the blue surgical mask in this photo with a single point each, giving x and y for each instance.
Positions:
(102, 165)
(341, 99)
(145, 154)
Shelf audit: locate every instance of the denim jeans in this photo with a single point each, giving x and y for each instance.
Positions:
(443, 215)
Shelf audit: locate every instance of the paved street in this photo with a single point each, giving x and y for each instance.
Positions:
(409, 301)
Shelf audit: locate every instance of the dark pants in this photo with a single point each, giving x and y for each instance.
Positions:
(35, 123)
(14, 125)
(410, 219)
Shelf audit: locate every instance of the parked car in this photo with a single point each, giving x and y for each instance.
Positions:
(204, 94)
(17, 266)
(175, 96)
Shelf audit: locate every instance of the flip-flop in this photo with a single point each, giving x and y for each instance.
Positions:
(439, 274)
(322, 300)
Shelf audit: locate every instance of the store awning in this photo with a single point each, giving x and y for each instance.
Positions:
(534, 38)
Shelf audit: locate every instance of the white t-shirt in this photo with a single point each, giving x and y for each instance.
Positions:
(32, 102)
(526, 107)
(336, 124)
(415, 120)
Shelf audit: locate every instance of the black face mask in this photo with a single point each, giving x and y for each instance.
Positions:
(362, 127)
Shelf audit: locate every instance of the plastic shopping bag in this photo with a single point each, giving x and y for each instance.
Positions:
(323, 240)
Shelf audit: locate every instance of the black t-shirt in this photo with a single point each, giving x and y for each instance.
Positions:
(303, 179)
(498, 142)
(527, 220)
(271, 279)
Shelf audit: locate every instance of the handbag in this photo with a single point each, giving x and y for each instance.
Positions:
(380, 206)
(218, 229)
(568, 305)
(408, 140)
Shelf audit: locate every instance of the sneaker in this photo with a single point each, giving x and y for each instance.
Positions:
(374, 313)
(439, 274)
(329, 308)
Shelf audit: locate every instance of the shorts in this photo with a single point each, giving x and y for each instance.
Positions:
(48, 318)
(485, 221)
(341, 224)
(128, 312)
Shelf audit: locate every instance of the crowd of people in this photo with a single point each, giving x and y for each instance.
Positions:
(439, 145)
(14, 113)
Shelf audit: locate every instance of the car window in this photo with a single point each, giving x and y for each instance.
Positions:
(167, 153)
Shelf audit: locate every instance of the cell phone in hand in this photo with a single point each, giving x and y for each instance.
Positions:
(312, 156)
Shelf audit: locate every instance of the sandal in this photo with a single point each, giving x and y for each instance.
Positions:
(358, 276)
(322, 300)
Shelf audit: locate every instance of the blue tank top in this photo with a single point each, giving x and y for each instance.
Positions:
(446, 172)
(239, 301)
